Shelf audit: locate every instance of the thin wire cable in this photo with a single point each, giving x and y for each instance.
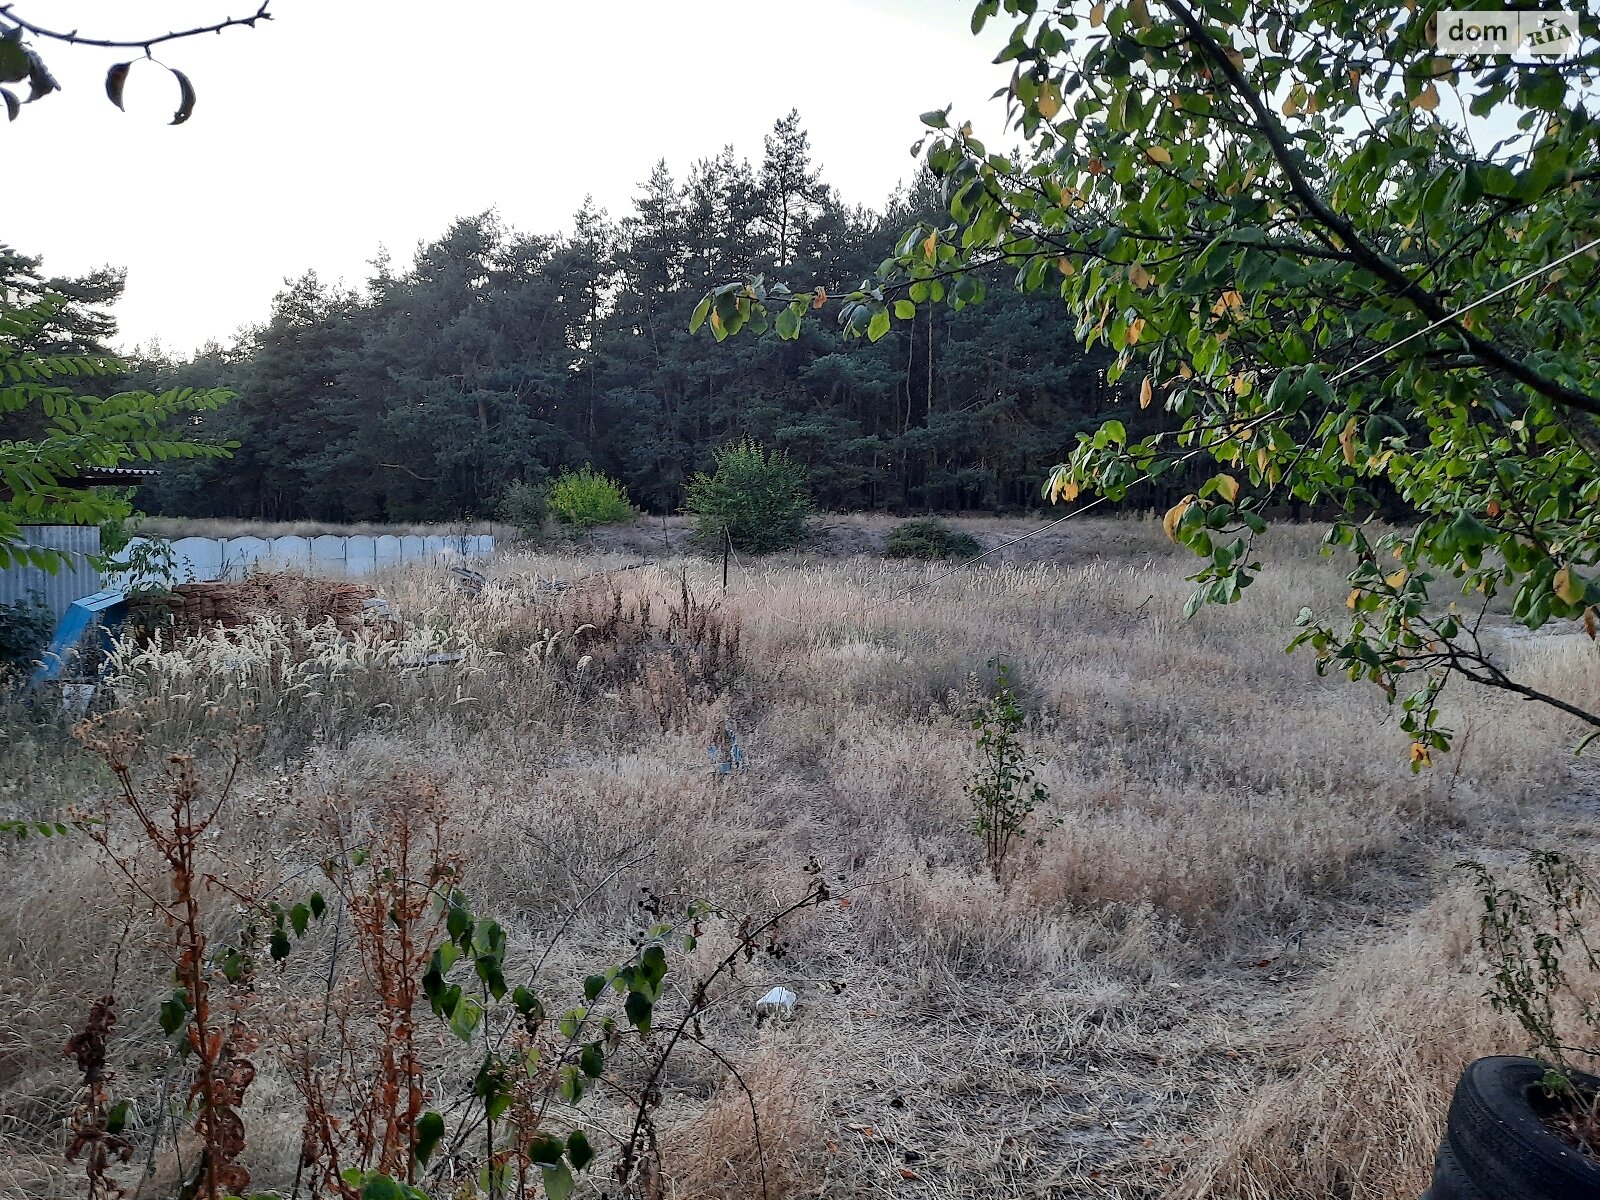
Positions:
(1466, 308)
(1148, 475)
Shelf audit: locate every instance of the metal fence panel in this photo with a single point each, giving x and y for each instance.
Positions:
(71, 580)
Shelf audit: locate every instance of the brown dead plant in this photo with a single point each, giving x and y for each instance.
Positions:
(173, 805)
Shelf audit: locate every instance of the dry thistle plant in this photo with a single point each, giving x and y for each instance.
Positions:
(96, 1124)
(172, 808)
(387, 1108)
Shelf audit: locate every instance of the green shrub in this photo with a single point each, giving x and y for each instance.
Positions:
(1003, 792)
(758, 497)
(525, 506)
(25, 629)
(929, 538)
(586, 498)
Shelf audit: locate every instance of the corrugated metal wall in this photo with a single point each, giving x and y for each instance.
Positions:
(72, 580)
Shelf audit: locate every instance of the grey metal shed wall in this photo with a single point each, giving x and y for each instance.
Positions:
(71, 581)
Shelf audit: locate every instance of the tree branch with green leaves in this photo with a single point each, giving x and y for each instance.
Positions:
(41, 475)
(1353, 270)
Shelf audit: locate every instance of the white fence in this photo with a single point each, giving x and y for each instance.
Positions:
(200, 560)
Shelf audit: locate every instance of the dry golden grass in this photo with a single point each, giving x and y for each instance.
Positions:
(1098, 1027)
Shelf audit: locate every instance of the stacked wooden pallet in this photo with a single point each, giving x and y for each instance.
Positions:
(198, 607)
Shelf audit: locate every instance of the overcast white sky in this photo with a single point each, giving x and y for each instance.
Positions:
(343, 124)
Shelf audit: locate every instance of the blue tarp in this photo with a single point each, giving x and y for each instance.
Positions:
(98, 612)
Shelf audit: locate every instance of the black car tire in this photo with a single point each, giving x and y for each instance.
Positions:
(1496, 1144)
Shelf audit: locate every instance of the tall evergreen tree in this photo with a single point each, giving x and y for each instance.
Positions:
(495, 358)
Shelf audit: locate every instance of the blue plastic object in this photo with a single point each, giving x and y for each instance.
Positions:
(735, 754)
(101, 611)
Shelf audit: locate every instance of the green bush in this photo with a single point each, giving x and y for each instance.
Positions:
(1004, 792)
(525, 506)
(25, 629)
(758, 497)
(586, 498)
(929, 538)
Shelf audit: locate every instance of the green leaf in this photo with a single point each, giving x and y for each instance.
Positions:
(558, 1181)
(430, 1132)
(544, 1150)
(571, 1086)
(879, 325)
(579, 1152)
(905, 310)
(592, 1060)
(701, 312)
(638, 1009)
(14, 62)
(464, 1020)
(527, 1003)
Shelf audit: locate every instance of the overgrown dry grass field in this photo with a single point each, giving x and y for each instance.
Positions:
(1239, 964)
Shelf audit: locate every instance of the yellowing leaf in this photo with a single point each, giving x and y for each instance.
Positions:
(1096, 166)
(1427, 99)
(1347, 442)
(1158, 154)
(1064, 265)
(1061, 486)
(1568, 586)
(821, 298)
(1421, 754)
(1241, 385)
(1185, 371)
(1229, 301)
(1228, 488)
(1097, 15)
(1395, 579)
(1135, 330)
(1146, 393)
(1049, 100)
(930, 246)
(1494, 508)
(1589, 622)
(1352, 598)
(1138, 276)
(1139, 14)
(1169, 523)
